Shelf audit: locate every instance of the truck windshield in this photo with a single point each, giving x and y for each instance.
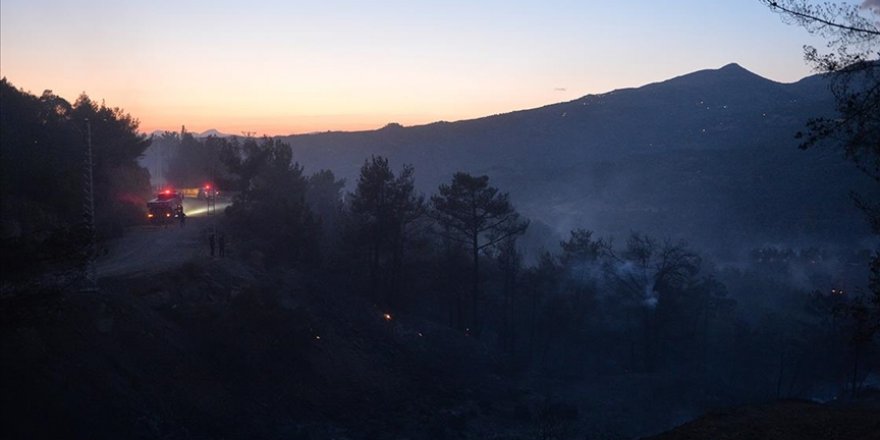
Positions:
(167, 196)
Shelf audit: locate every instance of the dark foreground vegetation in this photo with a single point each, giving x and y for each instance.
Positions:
(43, 177)
(221, 349)
(783, 420)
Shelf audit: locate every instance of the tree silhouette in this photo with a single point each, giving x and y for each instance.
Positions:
(853, 65)
(383, 207)
(475, 214)
(270, 214)
(43, 146)
(324, 197)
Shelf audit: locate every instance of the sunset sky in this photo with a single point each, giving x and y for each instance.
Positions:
(282, 67)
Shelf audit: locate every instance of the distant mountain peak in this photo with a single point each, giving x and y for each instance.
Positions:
(211, 132)
(733, 67)
(204, 134)
(392, 126)
(732, 76)
(737, 71)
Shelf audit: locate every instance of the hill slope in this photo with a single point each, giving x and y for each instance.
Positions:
(695, 156)
(208, 350)
(782, 420)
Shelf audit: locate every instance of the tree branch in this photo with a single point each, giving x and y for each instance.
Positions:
(776, 5)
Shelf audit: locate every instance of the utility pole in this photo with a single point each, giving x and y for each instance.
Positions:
(160, 161)
(210, 202)
(212, 194)
(90, 269)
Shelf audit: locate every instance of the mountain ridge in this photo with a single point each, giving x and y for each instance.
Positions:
(729, 69)
(702, 154)
(706, 89)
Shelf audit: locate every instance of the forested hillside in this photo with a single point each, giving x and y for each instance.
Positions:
(709, 157)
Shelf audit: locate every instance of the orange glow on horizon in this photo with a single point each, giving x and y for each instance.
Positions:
(280, 119)
(283, 68)
(284, 109)
(276, 127)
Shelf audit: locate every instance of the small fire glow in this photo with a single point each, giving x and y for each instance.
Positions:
(318, 338)
(387, 316)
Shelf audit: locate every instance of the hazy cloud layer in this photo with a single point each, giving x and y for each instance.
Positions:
(871, 4)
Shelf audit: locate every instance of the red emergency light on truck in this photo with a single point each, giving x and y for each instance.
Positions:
(165, 207)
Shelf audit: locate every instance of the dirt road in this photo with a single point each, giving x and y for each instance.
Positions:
(151, 248)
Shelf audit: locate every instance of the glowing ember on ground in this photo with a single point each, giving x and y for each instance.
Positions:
(387, 316)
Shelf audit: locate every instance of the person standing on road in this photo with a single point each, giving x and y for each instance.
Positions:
(182, 216)
(222, 244)
(211, 242)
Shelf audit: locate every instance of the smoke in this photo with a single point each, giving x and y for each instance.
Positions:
(628, 270)
(585, 271)
(649, 299)
(872, 5)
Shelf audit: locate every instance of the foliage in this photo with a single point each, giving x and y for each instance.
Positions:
(43, 150)
(270, 213)
(645, 268)
(383, 208)
(853, 64)
(476, 215)
(324, 197)
(580, 247)
(192, 162)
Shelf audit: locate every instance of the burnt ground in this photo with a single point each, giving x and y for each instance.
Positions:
(214, 350)
(784, 420)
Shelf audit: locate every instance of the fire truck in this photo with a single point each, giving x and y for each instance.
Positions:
(165, 207)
